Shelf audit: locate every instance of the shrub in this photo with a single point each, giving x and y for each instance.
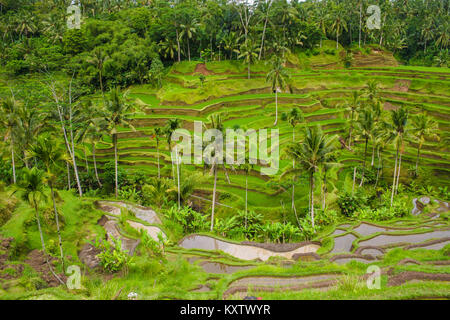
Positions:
(189, 219)
(349, 203)
(112, 257)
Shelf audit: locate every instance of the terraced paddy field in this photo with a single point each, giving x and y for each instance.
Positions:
(408, 269)
(321, 94)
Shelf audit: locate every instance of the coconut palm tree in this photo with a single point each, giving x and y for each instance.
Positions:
(354, 106)
(215, 161)
(423, 127)
(33, 192)
(9, 120)
(313, 152)
(92, 133)
(294, 117)
(97, 59)
(249, 52)
(278, 77)
(338, 23)
(115, 111)
(188, 31)
(395, 131)
(171, 126)
(51, 155)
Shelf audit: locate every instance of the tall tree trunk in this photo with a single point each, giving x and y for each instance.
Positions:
(80, 191)
(264, 32)
(360, 24)
(101, 81)
(115, 165)
(418, 156)
(157, 151)
(68, 176)
(311, 182)
(95, 165)
(324, 190)
(350, 130)
(12, 159)
(398, 171)
(57, 225)
(86, 159)
(214, 198)
(354, 180)
(248, 70)
(178, 45)
(276, 107)
(189, 49)
(246, 198)
(373, 154)
(395, 176)
(364, 163)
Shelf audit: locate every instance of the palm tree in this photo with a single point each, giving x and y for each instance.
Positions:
(338, 21)
(294, 117)
(395, 131)
(98, 59)
(50, 153)
(247, 167)
(93, 133)
(423, 127)
(157, 133)
(171, 126)
(215, 161)
(372, 91)
(249, 51)
(188, 31)
(313, 152)
(354, 105)
(116, 108)
(366, 126)
(278, 76)
(32, 184)
(167, 48)
(9, 120)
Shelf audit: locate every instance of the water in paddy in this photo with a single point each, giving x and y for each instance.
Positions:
(436, 246)
(279, 281)
(240, 251)
(215, 267)
(367, 229)
(338, 232)
(343, 244)
(383, 239)
(346, 260)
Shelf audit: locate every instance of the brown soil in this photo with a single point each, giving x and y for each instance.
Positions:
(309, 256)
(37, 261)
(5, 245)
(88, 255)
(201, 68)
(403, 277)
(408, 261)
(402, 85)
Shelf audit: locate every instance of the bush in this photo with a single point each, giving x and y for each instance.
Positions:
(112, 257)
(191, 220)
(349, 203)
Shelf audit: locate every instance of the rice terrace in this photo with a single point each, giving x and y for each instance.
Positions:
(224, 150)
